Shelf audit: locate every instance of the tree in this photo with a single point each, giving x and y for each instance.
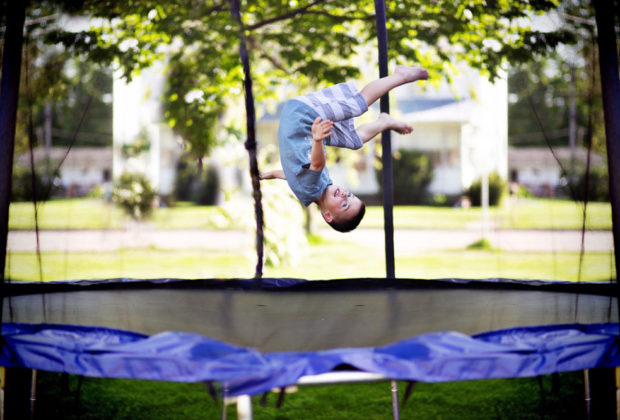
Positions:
(305, 42)
(53, 77)
(542, 89)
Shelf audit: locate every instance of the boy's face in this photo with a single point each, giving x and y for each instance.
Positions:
(339, 204)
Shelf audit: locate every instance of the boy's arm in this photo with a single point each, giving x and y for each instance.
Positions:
(320, 131)
(278, 173)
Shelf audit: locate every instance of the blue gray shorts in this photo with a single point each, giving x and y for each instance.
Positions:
(339, 103)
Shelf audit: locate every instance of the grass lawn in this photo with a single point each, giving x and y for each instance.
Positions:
(129, 263)
(66, 214)
(490, 399)
(524, 214)
(317, 264)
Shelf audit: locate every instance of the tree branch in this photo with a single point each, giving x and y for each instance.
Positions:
(273, 60)
(342, 18)
(289, 15)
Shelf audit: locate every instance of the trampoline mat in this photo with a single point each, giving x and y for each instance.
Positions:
(297, 315)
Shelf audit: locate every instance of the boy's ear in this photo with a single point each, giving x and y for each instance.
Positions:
(327, 216)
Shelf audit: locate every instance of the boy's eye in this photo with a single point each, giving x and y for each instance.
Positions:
(344, 204)
(349, 195)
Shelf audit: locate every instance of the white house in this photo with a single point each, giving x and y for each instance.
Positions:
(465, 135)
(82, 167)
(538, 169)
(138, 123)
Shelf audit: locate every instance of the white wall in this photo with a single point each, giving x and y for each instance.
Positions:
(484, 146)
(137, 111)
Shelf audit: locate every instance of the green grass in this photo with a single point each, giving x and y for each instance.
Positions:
(96, 214)
(489, 399)
(317, 264)
(129, 263)
(481, 244)
(67, 214)
(554, 214)
(596, 266)
(524, 214)
(422, 217)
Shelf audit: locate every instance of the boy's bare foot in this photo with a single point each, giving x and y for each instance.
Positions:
(399, 126)
(411, 74)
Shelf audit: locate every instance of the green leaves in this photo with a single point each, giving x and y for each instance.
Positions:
(297, 42)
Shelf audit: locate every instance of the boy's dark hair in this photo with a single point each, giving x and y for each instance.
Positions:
(349, 225)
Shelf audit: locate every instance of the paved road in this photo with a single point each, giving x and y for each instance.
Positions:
(405, 241)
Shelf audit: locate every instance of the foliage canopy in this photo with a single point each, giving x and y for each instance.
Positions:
(306, 42)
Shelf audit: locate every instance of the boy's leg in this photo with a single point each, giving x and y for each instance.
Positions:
(369, 130)
(402, 75)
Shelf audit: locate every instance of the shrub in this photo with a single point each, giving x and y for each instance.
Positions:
(496, 189)
(412, 173)
(193, 185)
(21, 185)
(598, 185)
(134, 194)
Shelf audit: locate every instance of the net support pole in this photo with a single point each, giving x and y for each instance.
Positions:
(386, 144)
(608, 63)
(250, 143)
(9, 92)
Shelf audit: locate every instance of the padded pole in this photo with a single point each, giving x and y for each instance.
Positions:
(250, 143)
(9, 92)
(386, 144)
(608, 63)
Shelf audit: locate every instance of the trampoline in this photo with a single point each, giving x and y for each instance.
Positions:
(252, 339)
(253, 335)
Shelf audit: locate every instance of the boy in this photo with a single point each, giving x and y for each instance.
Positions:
(326, 116)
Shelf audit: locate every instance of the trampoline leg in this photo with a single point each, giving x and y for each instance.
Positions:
(224, 401)
(18, 393)
(395, 409)
(244, 407)
(602, 385)
(33, 392)
(588, 397)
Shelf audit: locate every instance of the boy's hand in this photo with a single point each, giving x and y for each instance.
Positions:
(321, 129)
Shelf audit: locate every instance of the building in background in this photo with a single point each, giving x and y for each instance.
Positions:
(538, 170)
(143, 141)
(83, 168)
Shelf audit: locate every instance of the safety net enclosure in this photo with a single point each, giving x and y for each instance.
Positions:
(256, 334)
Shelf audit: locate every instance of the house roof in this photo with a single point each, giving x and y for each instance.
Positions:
(91, 157)
(448, 112)
(422, 103)
(539, 157)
